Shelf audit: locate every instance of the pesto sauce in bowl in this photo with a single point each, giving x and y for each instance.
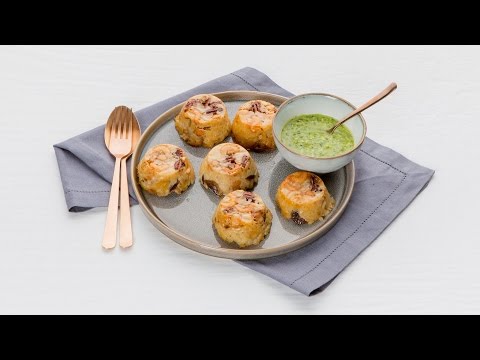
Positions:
(307, 134)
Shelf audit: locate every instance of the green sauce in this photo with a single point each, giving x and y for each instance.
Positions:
(307, 135)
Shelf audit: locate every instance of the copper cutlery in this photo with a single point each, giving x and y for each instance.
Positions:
(121, 135)
(384, 93)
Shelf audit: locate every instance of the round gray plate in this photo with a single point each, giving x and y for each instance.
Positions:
(187, 218)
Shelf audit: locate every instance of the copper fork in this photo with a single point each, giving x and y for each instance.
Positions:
(118, 132)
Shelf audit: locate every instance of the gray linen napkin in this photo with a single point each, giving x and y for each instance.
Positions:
(385, 183)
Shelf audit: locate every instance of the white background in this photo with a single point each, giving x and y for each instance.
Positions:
(427, 261)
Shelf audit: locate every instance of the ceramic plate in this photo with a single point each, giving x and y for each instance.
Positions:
(187, 218)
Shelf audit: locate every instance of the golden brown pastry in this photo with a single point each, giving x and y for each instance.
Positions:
(303, 197)
(164, 169)
(228, 167)
(252, 126)
(203, 121)
(242, 218)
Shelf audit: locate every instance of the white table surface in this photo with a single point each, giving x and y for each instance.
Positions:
(427, 261)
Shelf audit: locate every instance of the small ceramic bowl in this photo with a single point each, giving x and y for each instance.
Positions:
(318, 103)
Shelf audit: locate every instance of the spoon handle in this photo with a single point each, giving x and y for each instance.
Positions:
(365, 106)
(110, 233)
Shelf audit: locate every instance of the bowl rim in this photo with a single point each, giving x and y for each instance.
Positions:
(292, 99)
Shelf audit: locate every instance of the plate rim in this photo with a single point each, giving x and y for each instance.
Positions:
(229, 253)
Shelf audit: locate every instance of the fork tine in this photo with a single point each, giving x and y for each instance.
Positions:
(130, 126)
(116, 125)
(113, 120)
(126, 122)
(110, 121)
(120, 122)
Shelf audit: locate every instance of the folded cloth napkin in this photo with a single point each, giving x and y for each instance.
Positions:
(385, 183)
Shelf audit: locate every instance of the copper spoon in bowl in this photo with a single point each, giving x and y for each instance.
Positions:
(387, 91)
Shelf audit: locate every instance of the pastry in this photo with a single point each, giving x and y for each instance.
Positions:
(164, 169)
(203, 121)
(228, 167)
(242, 218)
(303, 197)
(252, 126)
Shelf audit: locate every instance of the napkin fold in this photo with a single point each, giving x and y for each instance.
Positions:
(385, 183)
